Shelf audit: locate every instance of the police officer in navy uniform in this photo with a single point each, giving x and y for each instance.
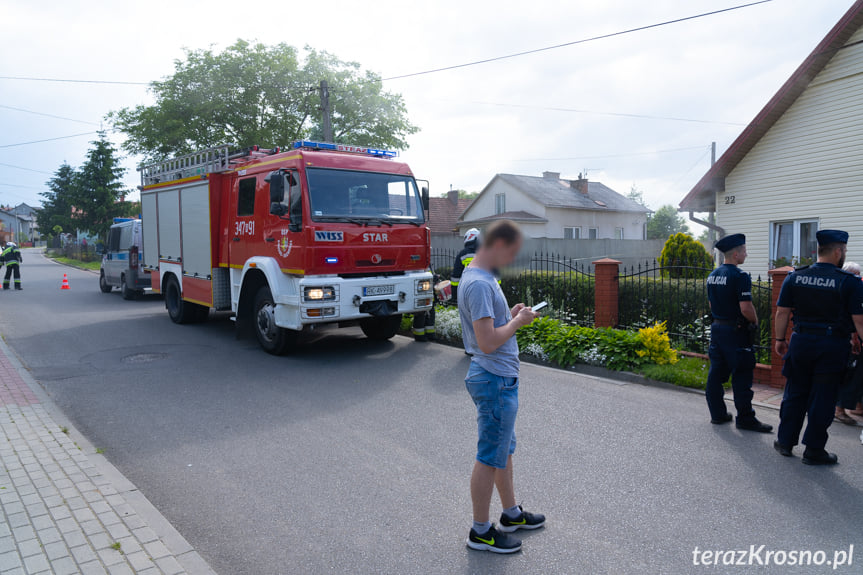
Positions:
(828, 307)
(734, 321)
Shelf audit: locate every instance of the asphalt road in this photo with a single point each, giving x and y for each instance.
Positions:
(353, 457)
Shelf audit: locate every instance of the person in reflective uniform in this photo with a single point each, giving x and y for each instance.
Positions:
(827, 303)
(734, 322)
(11, 256)
(463, 259)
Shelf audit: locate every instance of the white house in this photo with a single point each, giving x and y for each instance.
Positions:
(550, 207)
(798, 166)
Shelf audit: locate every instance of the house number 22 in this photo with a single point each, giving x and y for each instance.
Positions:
(729, 200)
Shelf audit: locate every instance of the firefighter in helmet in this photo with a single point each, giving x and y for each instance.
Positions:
(11, 256)
(463, 259)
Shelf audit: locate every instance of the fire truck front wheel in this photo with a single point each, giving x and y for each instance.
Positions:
(274, 339)
(381, 328)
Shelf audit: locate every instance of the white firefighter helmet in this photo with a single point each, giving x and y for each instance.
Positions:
(471, 235)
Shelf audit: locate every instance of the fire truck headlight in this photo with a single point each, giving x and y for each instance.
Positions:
(319, 294)
(424, 286)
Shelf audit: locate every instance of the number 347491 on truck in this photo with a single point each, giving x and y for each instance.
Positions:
(288, 240)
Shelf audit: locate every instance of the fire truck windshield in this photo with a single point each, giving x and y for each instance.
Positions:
(345, 195)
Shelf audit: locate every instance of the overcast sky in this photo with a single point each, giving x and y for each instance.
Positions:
(475, 121)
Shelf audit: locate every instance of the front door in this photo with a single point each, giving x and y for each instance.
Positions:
(242, 233)
(113, 264)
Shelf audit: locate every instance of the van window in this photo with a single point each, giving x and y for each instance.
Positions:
(125, 237)
(114, 240)
(246, 197)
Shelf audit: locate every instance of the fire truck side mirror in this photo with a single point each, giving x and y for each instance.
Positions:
(425, 197)
(276, 180)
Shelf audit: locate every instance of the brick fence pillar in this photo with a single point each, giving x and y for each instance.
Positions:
(777, 277)
(605, 292)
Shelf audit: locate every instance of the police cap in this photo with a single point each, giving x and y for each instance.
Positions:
(730, 242)
(827, 237)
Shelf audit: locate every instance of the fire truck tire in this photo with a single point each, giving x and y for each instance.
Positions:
(179, 310)
(126, 291)
(104, 286)
(274, 339)
(381, 328)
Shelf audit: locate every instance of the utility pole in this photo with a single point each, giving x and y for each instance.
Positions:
(327, 123)
(711, 216)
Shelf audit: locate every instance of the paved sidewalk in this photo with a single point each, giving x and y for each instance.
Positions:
(66, 512)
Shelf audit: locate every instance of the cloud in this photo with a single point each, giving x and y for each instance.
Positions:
(722, 68)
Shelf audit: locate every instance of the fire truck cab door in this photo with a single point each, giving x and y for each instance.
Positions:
(246, 207)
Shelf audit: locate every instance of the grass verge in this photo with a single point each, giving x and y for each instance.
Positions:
(93, 266)
(687, 372)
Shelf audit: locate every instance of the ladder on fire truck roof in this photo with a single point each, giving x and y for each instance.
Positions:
(201, 163)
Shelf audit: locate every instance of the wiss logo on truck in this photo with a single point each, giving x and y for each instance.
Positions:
(288, 240)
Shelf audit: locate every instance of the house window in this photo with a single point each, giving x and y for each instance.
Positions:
(499, 203)
(618, 233)
(793, 243)
(572, 233)
(592, 233)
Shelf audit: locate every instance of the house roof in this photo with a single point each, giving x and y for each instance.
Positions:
(558, 193)
(520, 216)
(703, 196)
(444, 213)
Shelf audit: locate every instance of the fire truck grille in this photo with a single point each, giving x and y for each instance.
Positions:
(369, 263)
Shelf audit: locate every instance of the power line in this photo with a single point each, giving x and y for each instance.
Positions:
(575, 42)
(74, 81)
(25, 169)
(23, 187)
(49, 139)
(594, 112)
(454, 66)
(48, 115)
(627, 155)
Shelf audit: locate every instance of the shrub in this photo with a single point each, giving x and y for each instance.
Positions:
(684, 257)
(657, 345)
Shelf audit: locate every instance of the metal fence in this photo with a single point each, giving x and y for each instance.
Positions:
(650, 293)
(567, 285)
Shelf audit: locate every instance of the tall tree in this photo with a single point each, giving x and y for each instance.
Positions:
(664, 223)
(636, 195)
(59, 199)
(99, 188)
(258, 94)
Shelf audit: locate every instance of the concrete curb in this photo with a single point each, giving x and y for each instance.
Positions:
(182, 551)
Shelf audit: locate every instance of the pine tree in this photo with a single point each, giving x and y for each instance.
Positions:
(99, 188)
(57, 205)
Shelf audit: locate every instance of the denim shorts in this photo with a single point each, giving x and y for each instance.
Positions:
(496, 400)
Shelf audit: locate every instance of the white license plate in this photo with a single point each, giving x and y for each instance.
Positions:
(379, 290)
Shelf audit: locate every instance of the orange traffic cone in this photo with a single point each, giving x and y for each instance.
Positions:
(65, 283)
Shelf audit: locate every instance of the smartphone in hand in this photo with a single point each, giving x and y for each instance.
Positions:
(539, 306)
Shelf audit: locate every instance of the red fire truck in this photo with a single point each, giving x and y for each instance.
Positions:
(288, 240)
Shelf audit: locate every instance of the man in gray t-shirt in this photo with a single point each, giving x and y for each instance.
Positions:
(488, 331)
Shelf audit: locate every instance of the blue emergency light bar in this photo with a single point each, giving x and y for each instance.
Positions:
(345, 148)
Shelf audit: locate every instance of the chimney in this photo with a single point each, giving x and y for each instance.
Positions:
(580, 184)
(551, 175)
(452, 196)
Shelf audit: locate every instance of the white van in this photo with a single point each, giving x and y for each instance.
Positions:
(122, 262)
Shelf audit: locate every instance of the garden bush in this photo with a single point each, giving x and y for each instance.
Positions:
(684, 257)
